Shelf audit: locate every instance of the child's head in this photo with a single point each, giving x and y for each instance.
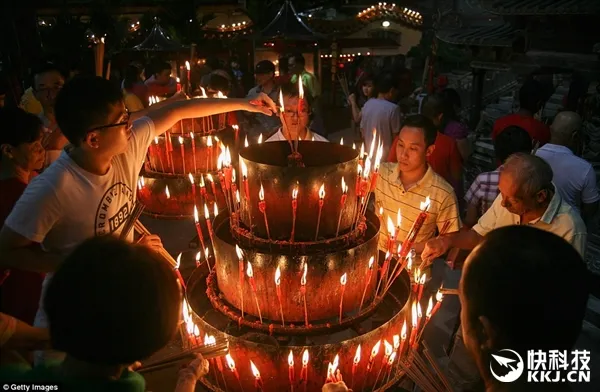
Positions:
(367, 85)
(21, 139)
(293, 118)
(112, 303)
(91, 114)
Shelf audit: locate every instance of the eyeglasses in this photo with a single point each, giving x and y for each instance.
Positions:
(125, 120)
(49, 90)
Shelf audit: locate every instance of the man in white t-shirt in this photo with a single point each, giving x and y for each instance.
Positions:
(90, 189)
(295, 123)
(382, 115)
(574, 177)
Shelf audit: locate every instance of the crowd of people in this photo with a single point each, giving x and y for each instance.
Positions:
(70, 162)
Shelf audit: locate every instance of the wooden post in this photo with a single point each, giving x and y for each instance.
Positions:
(476, 97)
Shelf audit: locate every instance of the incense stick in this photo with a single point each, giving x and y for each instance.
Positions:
(208, 352)
(436, 367)
(138, 208)
(142, 230)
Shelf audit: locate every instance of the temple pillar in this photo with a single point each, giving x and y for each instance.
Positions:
(476, 97)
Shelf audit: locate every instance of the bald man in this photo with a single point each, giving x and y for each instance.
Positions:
(574, 177)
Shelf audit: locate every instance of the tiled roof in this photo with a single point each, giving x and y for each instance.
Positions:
(287, 24)
(158, 41)
(541, 7)
(500, 35)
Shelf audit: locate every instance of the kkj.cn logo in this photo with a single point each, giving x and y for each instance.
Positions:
(552, 366)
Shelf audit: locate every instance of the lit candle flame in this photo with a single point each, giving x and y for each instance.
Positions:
(419, 312)
(423, 279)
(187, 65)
(403, 331)
(305, 358)
(215, 210)
(399, 218)
(233, 177)
(203, 92)
(227, 160)
(387, 255)
(322, 191)
(230, 362)
(381, 211)
(220, 95)
(178, 81)
(344, 186)
(167, 192)
(156, 140)
(291, 359)
(295, 192)
(196, 217)
(342, 141)
(206, 213)
(371, 261)
(429, 308)
(209, 142)
(206, 253)
(237, 195)
(249, 271)
(300, 89)
(240, 253)
(357, 355)
(178, 261)
(439, 296)
(191, 178)
(372, 148)
(378, 156)
(209, 177)
(391, 359)
(277, 276)
(390, 227)
(255, 371)
(261, 193)
(192, 135)
(362, 150)
(388, 348)
(281, 107)
(198, 255)
(425, 205)
(246, 144)
(375, 349)
(396, 340)
(185, 311)
(344, 279)
(180, 140)
(413, 311)
(260, 138)
(303, 279)
(202, 185)
(196, 330)
(335, 363)
(354, 146)
(244, 170)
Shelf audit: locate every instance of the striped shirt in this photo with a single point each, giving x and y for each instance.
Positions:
(391, 195)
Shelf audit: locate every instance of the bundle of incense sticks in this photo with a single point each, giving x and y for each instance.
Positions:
(141, 229)
(138, 208)
(218, 349)
(344, 84)
(426, 373)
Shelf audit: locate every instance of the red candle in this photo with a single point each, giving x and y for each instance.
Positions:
(262, 206)
(198, 255)
(321, 201)
(158, 154)
(291, 375)
(240, 255)
(342, 204)
(304, 373)
(182, 150)
(391, 235)
(193, 138)
(209, 225)
(421, 285)
(179, 273)
(438, 297)
(199, 232)
(278, 285)
(374, 353)
(209, 144)
(402, 339)
(250, 274)
(343, 281)
(189, 80)
(178, 85)
(169, 145)
(332, 368)
(258, 384)
(303, 292)
(415, 323)
(212, 185)
(367, 281)
(355, 363)
(416, 227)
(294, 208)
(231, 365)
(193, 187)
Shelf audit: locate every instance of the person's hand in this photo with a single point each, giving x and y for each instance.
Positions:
(189, 375)
(151, 241)
(134, 366)
(435, 248)
(352, 99)
(339, 386)
(262, 103)
(178, 96)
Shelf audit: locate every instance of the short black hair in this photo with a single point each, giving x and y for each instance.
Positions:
(85, 102)
(424, 123)
(220, 83)
(532, 95)
(511, 140)
(162, 66)
(385, 82)
(45, 68)
(299, 58)
(18, 127)
(531, 284)
(98, 316)
(291, 90)
(433, 106)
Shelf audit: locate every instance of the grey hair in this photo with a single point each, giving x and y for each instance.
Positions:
(531, 173)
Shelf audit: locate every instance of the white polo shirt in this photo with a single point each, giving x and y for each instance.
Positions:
(559, 218)
(574, 177)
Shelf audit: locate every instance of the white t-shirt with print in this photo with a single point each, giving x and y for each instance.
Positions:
(66, 205)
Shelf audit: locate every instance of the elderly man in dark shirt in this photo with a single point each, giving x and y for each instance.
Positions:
(264, 72)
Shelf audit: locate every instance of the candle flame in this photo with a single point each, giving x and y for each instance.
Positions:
(336, 363)
(381, 211)
(180, 140)
(209, 142)
(244, 170)
(295, 192)
(202, 185)
(277, 276)
(156, 140)
(198, 255)
(233, 177)
(206, 340)
(206, 213)
(220, 95)
(378, 156)
(185, 311)
(196, 218)
(396, 340)
(419, 312)
(399, 218)
(403, 331)
(362, 150)
(281, 107)
(196, 330)
(303, 279)
(206, 253)
(230, 362)
(399, 250)
(417, 275)
(240, 253)
(189, 326)
(227, 160)
(220, 160)
(291, 359)
(367, 169)
(426, 204)
(439, 296)
(342, 141)
(344, 279)
(390, 227)
(388, 348)
(237, 195)
(429, 308)
(246, 144)
(391, 359)
(300, 89)
(167, 192)
(413, 311)
(357, 355)
(322, 191)
(215, 209)
(371, 261)
(423, 279)
(178, 261)
(187, 65)
(260, 138)
(372, 148)
(192, 135)
(354, 146)
(387, 255)
(312, 139)
(409, 262)
(203, 92)
(261, 193)
(255, 371)
(191, 178)
(344, 186)
(305, 357)
(375, 349)
(249, 271)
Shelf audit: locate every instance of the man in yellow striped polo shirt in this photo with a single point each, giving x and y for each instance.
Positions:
(408, 183)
